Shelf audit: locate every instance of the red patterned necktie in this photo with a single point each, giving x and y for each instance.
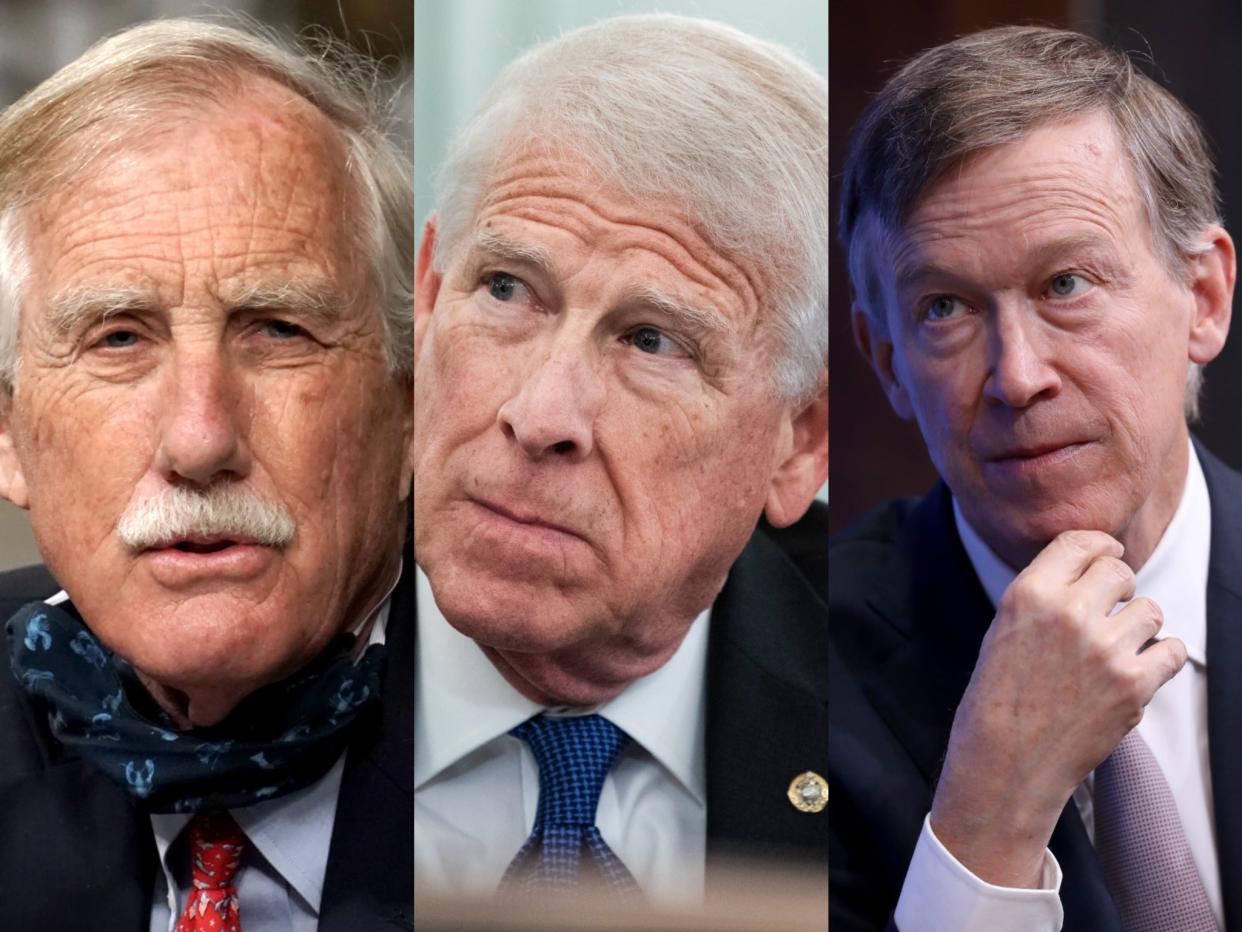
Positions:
(216, 844)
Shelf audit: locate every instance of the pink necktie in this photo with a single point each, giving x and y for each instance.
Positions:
(216, 845)
(1138, 835)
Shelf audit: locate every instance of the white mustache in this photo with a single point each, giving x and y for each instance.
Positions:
(222, 510)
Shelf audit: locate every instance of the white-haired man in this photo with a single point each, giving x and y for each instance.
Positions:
(620, 337)
(1033, 722)
(206, 411)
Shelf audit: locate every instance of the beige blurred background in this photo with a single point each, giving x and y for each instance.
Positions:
(39, 36)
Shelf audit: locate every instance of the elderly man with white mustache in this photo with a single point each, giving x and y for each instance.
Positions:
(205, 348)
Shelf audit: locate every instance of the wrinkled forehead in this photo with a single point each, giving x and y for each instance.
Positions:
(100, 123)
(1069, 177)
(542, 192)
(266, 164)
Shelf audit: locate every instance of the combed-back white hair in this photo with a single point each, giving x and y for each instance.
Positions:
(732, 129)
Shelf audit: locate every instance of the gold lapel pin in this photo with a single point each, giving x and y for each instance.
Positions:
(808, 792)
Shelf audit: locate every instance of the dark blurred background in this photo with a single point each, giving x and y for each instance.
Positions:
(1195, 47)
(39, 36)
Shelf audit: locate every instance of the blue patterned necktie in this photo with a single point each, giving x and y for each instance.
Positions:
(574, 756)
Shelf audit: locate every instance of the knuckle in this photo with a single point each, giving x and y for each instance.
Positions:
(1130, 690)
(1076, 541)
(1100, 652)
(1021, 597)
(1079, 541)
(1174, 658)
(1073, 612)
(1150, 610)
(1117, 568)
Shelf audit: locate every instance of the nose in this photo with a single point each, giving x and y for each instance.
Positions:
(201, 440)
(552, 414)
(1021, 372)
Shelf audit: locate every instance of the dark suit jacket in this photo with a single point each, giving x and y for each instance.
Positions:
(767, 694)
(75, 852)
(908, 615)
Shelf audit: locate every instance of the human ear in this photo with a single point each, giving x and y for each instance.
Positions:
(426, 285)
(1213, 272)
(803, 468)
(12, 479)
(877, 347)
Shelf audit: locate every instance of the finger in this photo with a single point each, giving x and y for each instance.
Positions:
(1069, 555)
(1160, 663)
(1138, 623)
(1102, 585)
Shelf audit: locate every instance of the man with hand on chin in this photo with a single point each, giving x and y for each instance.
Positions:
(1032, 723)
(621, 341)
(206, 409)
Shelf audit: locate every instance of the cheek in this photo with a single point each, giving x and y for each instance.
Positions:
(459, 387)
(65, 435)
(944, 399)
(82, 458)
(689, 460)
(327, 440)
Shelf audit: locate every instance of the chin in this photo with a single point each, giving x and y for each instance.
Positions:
(1033, 528)
(214, 665)
(512, 616)
(217, 645)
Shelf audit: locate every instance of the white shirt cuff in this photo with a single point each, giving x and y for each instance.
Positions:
(940, 895)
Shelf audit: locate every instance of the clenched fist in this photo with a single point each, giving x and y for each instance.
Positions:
(1059, 682)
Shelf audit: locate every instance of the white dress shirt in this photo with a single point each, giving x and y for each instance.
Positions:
(476, 788)
(281, 880)
(940, 894)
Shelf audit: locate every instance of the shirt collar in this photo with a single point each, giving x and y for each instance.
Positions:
(293, 832)
(461, 701)
(1174, 576)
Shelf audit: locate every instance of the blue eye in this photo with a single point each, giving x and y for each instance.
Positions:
(502, 287)
(943, 307)
(281, 329)
(648, 339)
(120, 339)
(653, 342)
(1067, 285)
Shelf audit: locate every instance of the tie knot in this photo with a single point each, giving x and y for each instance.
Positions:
(216, 844)
(574, 755)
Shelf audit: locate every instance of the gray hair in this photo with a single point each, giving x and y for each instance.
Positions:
(992, 87)
(102, 101)
(730, 128)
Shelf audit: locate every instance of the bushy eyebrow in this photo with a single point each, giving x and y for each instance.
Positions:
(706, 320)
(83, 306)
(317, 301)
(487, 243)
(1049, 253)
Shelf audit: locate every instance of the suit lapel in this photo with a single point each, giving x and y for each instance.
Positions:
(1224, 652)
(370, 871)
(87, 854)
(76, 852)
(767, 716)
(944, 615)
